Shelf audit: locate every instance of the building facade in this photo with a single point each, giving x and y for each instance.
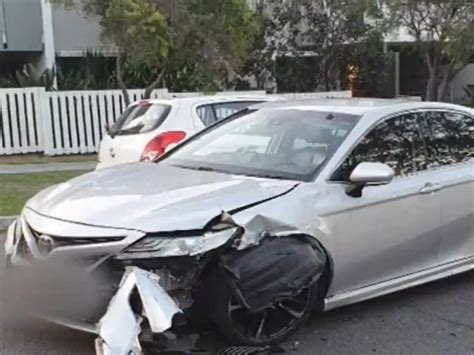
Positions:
(35, 32)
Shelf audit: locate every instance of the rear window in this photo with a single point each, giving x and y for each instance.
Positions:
(140, 118)
(212, 113)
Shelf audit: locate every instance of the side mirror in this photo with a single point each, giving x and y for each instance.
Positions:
(369, 174)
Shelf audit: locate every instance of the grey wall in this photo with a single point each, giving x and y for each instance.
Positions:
(22, 22)
(73, 33)
(464, 78)
(2, 26)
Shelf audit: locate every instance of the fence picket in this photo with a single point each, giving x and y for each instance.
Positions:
(65, 123)
(73, 122)
(109, 110)
(15, 137)
(31, 124)
(95, 120)
(102, 115)
(44, 122)
(117, 111)
(5, 123)
(57, 134)
(88, 123)
(23, 129)
(80, 122)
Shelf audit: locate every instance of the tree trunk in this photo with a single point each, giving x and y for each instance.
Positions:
(431, 86)
(444, 83)
(120, 81)
(154, 85)
(449, 75)
(433, 62)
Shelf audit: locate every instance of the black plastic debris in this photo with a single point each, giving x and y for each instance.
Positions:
(277, 269)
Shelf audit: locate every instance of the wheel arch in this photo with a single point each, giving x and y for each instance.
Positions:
(324, 282)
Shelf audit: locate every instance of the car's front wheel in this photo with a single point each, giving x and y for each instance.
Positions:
(270, 326)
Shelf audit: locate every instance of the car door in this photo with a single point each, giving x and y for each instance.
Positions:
(392, 230)
(450, 141)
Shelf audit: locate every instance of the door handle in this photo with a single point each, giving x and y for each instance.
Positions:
(430, 188)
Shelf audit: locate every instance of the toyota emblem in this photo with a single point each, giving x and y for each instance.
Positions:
(45, 244)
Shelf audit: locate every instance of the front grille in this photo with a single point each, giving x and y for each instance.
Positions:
(60, 242)
(45, 244)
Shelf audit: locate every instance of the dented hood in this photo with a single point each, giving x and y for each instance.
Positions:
(152, 197)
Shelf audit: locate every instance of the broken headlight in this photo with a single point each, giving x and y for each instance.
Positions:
(154, 246)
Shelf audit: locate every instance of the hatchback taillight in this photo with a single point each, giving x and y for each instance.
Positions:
(157, 146)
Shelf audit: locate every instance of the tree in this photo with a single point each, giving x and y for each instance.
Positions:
(278, 23)
(138, 30)
(315, 45)
(332, 31)
(373, 76)
(202, 41)
(260, 62)
(444, 34)
(211, 39)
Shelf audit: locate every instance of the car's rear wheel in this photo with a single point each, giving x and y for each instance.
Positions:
(270, 326)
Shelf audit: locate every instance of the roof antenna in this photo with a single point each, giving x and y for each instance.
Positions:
(330, 117)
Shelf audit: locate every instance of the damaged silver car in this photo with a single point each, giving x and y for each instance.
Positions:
(281, 210)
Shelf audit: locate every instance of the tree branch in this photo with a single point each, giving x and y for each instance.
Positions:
(154, 84)
(119, 75)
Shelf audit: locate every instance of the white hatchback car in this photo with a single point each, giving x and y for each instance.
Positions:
(150, 127)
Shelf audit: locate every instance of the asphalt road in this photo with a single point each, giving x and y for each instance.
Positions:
(433, 319)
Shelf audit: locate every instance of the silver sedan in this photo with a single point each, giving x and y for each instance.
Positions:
(282, 209)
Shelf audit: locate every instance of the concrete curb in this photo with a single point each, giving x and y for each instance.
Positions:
(5, 222)
(42, 168)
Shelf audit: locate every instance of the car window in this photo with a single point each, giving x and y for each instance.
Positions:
(449, 137)
(212, 113)
(280, 143)
(140, 118)
(396, 142)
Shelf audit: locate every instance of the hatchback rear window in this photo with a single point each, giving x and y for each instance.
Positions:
(140, 118)
(212, 113)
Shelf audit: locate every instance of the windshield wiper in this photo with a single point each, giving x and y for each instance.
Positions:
(199, 168)
(269, 176)
(131, 130)
(206, 168)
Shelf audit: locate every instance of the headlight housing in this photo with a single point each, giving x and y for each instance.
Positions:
(160, 247)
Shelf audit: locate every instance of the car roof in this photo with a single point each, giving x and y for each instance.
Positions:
(196, 100)
(358, 106)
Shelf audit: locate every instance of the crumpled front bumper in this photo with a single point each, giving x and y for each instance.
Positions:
(120, 327)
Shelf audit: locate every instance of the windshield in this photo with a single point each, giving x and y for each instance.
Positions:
(274, 143)
(140, 118)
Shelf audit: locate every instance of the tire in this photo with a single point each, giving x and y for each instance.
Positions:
(271, 326)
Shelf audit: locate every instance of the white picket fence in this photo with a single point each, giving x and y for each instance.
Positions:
(74, 122)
